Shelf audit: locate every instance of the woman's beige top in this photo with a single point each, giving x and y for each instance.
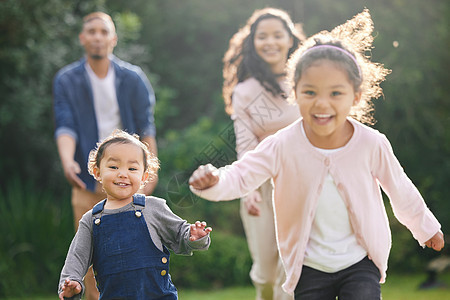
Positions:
(258, 114)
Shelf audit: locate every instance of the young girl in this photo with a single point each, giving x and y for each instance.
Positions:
(332, 230)
(125, 236)
(255, 95)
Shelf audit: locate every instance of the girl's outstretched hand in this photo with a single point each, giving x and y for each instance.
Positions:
(199, 230)
(436, 242)
(204, 177)
(69, 289)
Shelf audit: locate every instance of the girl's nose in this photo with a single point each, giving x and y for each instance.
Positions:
(321, 102)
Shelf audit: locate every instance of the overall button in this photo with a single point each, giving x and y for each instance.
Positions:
(163, 272)
(164, 260)
(97, 221)
(138, 214)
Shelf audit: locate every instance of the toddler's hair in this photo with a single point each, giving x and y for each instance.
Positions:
(151, 162)
(347, 45)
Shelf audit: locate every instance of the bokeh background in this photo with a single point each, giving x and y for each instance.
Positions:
(180, 45)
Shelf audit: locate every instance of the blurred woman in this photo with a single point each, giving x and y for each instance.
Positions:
(255, 94)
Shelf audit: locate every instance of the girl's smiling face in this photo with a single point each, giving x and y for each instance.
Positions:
(121, 171)
(325, 96)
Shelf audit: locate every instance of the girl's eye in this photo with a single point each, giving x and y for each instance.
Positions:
(113, 167)
(132, 169)
(309, 93)
(336, 93)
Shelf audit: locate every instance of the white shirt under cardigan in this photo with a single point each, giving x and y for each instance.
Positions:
(332, 244)
(299, 172)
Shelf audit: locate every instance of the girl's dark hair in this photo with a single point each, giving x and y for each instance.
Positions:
(354, 40)
(241, 60)
(344, 58)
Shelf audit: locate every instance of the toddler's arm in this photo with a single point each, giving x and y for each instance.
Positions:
(204, 177)
(199, 230)
(69, 289)
(436, 242)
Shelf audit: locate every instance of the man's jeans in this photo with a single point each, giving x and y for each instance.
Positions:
(360, 281)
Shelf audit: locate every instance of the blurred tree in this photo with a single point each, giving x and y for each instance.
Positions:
(37, 37)
(187, 41)
(180, 45)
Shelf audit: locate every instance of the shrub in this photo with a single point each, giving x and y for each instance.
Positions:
(226, 263)
(36, 228)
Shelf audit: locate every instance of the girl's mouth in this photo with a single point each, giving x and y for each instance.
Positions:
(322, 118)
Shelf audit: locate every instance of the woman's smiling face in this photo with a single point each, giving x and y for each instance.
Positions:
(272, 43)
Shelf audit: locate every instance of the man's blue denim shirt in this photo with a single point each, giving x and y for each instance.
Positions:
(74, 113)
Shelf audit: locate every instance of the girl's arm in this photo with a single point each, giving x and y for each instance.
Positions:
(79, 256)
(407, 202)
(243, 176)
(167, 228)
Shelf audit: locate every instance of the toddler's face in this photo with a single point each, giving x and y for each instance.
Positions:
(121, 171)
(325, 96)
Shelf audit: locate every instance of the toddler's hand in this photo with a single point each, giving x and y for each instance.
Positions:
(204, 177)
(199, 230)
(436, 242)
(69, 289)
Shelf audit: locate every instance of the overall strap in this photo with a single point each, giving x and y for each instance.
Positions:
(139, 199)
(99, 207)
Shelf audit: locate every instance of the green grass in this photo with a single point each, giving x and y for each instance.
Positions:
(404, 287)
(234, 293)
(397, 287)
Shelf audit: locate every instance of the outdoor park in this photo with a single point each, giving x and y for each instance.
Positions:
(180, 46)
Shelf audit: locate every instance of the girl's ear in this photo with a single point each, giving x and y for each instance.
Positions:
(145, 176)
(96, 171)
(357, 98)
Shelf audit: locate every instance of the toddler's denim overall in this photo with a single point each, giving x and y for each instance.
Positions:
(126, 262)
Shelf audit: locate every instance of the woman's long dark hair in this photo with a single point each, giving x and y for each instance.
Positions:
(241, 60)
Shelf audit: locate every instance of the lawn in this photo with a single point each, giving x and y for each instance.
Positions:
(397, 287)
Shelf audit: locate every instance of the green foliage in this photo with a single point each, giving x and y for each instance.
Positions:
(226, 263)
(37, 38)
(35, 228)
(180, 45)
